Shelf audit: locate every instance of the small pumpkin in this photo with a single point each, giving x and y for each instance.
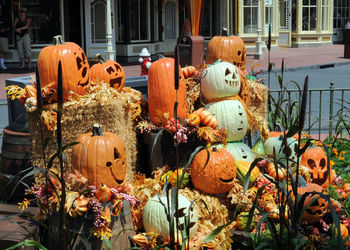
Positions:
(206, 118)
(271, 170)
(242, 170)
(315, 159)
(76, 204)
(284, 152)
(193, 119)
(100, 157)
(175, 181)
(242, 221)
(213, 175)
(227, 48)
(161, 91)
(110, 72)
(239, 151)
(155, 218)
(75, 67)
(189, 71)
(103, 194)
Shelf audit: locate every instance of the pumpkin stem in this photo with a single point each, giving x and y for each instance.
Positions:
(100, 58)
(96, 130)
(58, 40)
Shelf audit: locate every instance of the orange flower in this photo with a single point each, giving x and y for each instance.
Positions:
(319, 144)
(335, 151)
(341, 158)
(332, 163)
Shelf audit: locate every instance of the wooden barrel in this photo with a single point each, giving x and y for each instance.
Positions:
(15, 157)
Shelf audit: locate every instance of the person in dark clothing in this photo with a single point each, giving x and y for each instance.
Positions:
(4, 34)
(22, 27)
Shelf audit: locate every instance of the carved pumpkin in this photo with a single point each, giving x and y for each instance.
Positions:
(214, 175)
(315, 159)
(155, 219)
(75, 67)
(227, 48)
(100, 157)
(231, 116)
(239, 151)
(220, 80)
(284, 152)
(110, 72)
(315, 211)
(161, 91)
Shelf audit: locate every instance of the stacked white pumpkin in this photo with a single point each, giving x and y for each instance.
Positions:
(221, 85)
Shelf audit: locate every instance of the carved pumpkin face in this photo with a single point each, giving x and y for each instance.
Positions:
(215, 176)
(315, 159)
(239, 151)
(75, 67)
(284, 151)
(220, 80)
(100, 158)
(110, 72)
(230, 49)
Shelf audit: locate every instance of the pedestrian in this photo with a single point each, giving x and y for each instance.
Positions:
(22, 28)
(4, 34)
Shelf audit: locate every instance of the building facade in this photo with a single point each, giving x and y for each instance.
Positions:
(156, 24)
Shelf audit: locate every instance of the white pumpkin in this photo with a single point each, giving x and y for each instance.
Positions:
(283, 151)
(220, 80)
(239, 151)
(155, 219)
(231, 116)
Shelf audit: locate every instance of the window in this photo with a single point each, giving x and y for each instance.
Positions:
(341, 13)
(170, 32)
(98, 21)
(268, 15)
(120, 20)
(206, 27)
(139, 20)
(325, 16)
(309, 15)
(250, 11)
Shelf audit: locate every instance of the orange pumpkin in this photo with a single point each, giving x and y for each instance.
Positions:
(193, 119)
(315, 159)
(189, 71)
(110, 72)
(161, 91)
(75, 67)
(100, 157)
(227, 48)
(279, 133)
(206, 118)
(271, 170)
(214, 175)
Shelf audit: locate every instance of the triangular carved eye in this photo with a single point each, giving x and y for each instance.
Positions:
(311, 163)
(116, 155)
(227, 72)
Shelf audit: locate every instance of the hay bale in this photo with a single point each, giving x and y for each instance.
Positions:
(113, 114)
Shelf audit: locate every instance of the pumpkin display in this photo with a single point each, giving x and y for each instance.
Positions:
(239, 151)
(315, 211)
(206, 118)
(110, 72)
(161, 91)
(214, 175)
(315, 159)
(100, 157)
(231, 116)
(75, 67)
(220, 80)
(242, 221)
(227, 48)
(155, 218)
(242, 170)
(284, 152)
(281, 172)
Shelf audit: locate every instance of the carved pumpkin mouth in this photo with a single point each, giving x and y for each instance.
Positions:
(226, 180)
(115, 81)
(83, 84)
(233, 84)
(116, 179)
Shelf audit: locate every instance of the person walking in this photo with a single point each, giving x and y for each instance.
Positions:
(22, 27)
(4, 34)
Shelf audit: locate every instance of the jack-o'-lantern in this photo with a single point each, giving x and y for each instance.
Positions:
(75, 67)
(227, 48)
(285, 152)
(316, 210)
(220, 80)
(100, 157)
(239, 151)
(315, 159)
(214, 175)
(231, 116)
(110, 72)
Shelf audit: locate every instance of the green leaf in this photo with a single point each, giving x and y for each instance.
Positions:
(28, 243)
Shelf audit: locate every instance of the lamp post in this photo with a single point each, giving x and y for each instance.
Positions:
(259, 54)
(109, 51)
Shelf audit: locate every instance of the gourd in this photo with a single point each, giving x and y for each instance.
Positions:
(175, 178)
(100, 158)
(271, 170)
(155, 218)
(213, 171)
(242, 170)
(242, 220)
(110, 72)
(206, 118)
(75, 67)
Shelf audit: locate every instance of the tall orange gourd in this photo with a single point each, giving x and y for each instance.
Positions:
(75, 67)
(161, 91)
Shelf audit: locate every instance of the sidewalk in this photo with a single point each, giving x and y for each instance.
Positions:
(294, 58)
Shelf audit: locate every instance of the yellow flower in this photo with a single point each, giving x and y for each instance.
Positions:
(332, 163)
(103, 232)
(24, 204)
(14, 91)
(106, 214)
